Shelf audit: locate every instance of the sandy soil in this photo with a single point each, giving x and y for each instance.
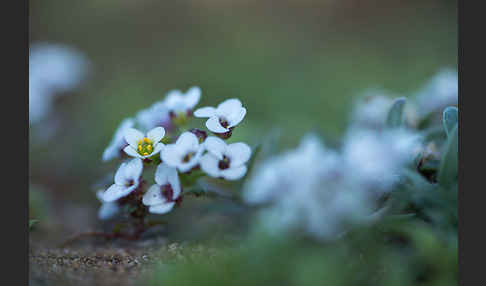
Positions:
(92, 260)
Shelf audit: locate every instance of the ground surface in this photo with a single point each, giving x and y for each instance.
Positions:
(87, 266)
(94, 260)
(101, 262)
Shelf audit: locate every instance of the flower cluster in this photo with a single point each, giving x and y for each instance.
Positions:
(315, 189)
(322, 191)
(158, 137)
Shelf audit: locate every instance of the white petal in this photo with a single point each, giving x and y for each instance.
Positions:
(120, 178)
(153, 196)
(162, 208)
(131, 152)
(171, 155)
(192, 97)
(120, 131)
(174, 97)
(110, 152)
(115, 192)
(118, 140)
(187, 166)
(126, 123)
(239, 153)
(163, 173)
(168, 175)
(229, 106)
(99, 195)
(134, 168)
(234, 173)
(209, 164)
(156, 134)
(213, 125)
(235, 118)
(156, 115)
(175, 184)
(187, 141)
(144, 118)
(215, 146)
(132, 136)
(157, 148)
(108, 210)
(205, 112)
(159, 106)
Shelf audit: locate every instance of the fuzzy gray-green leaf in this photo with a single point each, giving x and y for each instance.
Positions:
(395, 115)
(448, 165)
(449, 118)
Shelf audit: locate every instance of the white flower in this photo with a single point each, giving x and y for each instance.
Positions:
(324, 193)
(322, 212)
(53, 70)
(154, 116)
(161, 197)
(225, 117)
(142, 146)
(127, 179)
(223, 160)
(371, 110)
(179, 103)
(441, 91)
(184, 154)
(118, 141)
(376, 158)
(306, 189)
(289, 171)
(107, 209)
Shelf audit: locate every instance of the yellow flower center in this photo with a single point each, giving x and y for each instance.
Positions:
(145, 147)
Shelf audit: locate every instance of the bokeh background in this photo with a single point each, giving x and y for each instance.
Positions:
(296, 65)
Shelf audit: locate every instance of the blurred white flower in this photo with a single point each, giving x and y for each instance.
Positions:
(323, 212)
(53, 70)
(142, 146)
(184, 154)
(306, 189)
(118, 142)
(324, 193)
(441, 91)
(127, 179)
(178, 102)
(107, 209)
(223, 160)
(287, 172)
(223, 118)
(154, 116)
(371, 109)
(161, 197)
(375, 159)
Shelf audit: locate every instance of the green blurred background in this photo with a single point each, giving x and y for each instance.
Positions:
(296, 65)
